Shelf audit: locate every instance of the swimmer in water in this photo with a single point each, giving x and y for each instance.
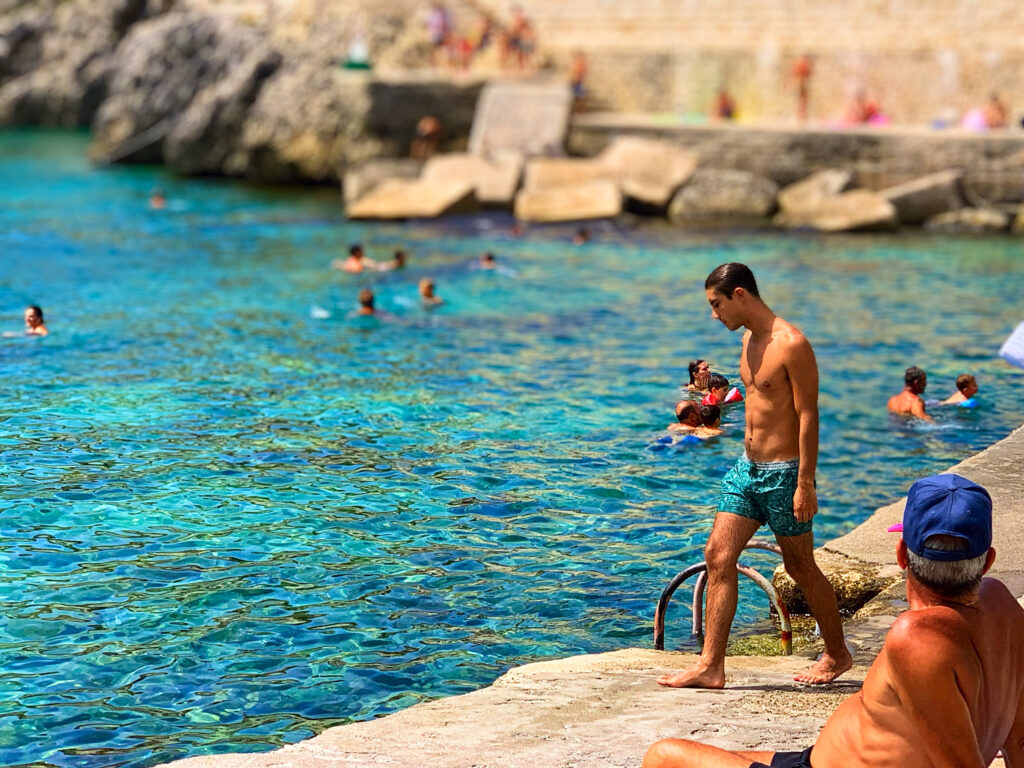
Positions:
(718, 388)
(157, 201)
(909, 401)
(710, 421)
(700, 372)
(34, 325)
(427, 295)
(397, 262)
(582, 236)
(488, 261)
(687, 417)
(366, 299)
(356, 261)
(966, 388)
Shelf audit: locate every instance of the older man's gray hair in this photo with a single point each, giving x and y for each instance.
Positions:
(947, 577)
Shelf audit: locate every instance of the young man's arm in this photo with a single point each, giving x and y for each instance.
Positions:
(803, 374)
(923, 661)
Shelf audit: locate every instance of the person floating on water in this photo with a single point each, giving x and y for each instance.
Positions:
(356, 261)
(909, 402)
(773, 482)
(687, 417)
(581, 237)
(719, 392)
(710, 422)
(157, 201)
(946, 688)
(966, 389)
(397, 262)
(700, 372)
(488, 261)
(34, 325)
(427, 295)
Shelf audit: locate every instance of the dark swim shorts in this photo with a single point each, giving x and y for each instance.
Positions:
(788, 760)
(763, 491)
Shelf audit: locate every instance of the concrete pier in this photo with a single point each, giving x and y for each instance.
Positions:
(604, 710)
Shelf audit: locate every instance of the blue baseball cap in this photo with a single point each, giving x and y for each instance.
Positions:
(948, 505)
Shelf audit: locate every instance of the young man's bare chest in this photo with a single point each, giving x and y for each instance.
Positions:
(763, 370)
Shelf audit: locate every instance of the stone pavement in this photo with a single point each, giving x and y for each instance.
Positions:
(604, 710)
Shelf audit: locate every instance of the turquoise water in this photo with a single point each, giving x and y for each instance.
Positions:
(234, 516)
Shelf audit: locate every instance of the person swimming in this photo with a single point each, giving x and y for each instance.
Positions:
(909, 402)
(687, 417)
(488, 261)
(966, 387)
(719, 392)
(427, 295)
(34, 325)
(356, 261)
(397, 262)
(700, 371)
(366, 303)
(157, 200)
(710, 422)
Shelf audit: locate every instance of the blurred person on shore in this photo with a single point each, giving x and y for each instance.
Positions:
(439, 30)
(995, 112)
(803, 68)
(725, 106)
(426, 138)
(577, 79)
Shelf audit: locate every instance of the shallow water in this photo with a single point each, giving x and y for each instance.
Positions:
(234, 516)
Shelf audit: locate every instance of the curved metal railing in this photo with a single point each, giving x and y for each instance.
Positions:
(785, 628)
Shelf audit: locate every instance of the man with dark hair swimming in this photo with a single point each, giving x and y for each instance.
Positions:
(772, 483)
(687, 417)
(947, 688)
(909, 402)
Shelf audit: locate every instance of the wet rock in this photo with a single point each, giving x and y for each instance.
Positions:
(205, 138)
(495, 181)
(359, 180)
(855, 584)
(587, 199)
(814, 191)
(855, 211)
(649, 172)
(922, 198)
(162, 64)
(397, 199)
(969, 220)
(58, 68)
(719, 193)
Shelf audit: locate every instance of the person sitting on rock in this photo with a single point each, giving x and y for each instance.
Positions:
(909, 402)
(426, 138)
(966, 388)
(947, 688)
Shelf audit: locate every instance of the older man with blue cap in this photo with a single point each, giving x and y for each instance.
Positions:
(947, 688)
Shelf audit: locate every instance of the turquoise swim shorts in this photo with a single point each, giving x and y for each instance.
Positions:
(763, 491)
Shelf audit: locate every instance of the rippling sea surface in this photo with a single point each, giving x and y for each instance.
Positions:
(234, 516)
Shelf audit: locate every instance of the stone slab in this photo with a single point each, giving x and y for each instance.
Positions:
(529, 117)
(598, 199)
(494, 180)
(552, 172)
(856, 211)
(648, 171)
(927, 196)
(815, 190)
(398, 199)
(359, 181)
(969, 220)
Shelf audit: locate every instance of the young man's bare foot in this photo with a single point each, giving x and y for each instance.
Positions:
(825, 669)
(694, 677)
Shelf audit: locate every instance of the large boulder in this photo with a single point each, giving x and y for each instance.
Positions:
(648, 171)
(544, 173)
(815, 190)
(922, 198)
(720, 193)
(398, 199)
(969, 220)
(856, 211)
(854, 583)
(162, 65)
(359, 180)
(495, 180)
(205, 138)
(588, 199)
(57, 69)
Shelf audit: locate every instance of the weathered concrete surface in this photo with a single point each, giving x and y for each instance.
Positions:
(602, 711)
(530, 118)
(398, 199)
(361, 179)
(598, 199)
(494, 180)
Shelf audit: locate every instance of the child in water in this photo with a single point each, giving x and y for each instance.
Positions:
(719, 392)
(966, 387)
(710, 419)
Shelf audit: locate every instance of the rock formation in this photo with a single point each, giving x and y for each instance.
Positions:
(720, 193)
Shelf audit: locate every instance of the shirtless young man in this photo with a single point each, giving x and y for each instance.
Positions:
(909, 401)
(773, 482)
(947, 689)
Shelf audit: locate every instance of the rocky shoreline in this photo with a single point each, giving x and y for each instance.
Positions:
(604, 710)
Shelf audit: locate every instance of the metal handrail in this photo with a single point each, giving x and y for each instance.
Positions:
(785, 628)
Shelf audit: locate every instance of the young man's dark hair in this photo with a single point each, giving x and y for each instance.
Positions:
(914, 376)
(726, 278)
(709, 415)
(717, 380)
(38, 310)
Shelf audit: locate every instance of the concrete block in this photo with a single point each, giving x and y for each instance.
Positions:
(920, 199)
(648, 171)
(399, 199)
(592, 199)
(495, 181)
(812, 192)
(856, 211)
